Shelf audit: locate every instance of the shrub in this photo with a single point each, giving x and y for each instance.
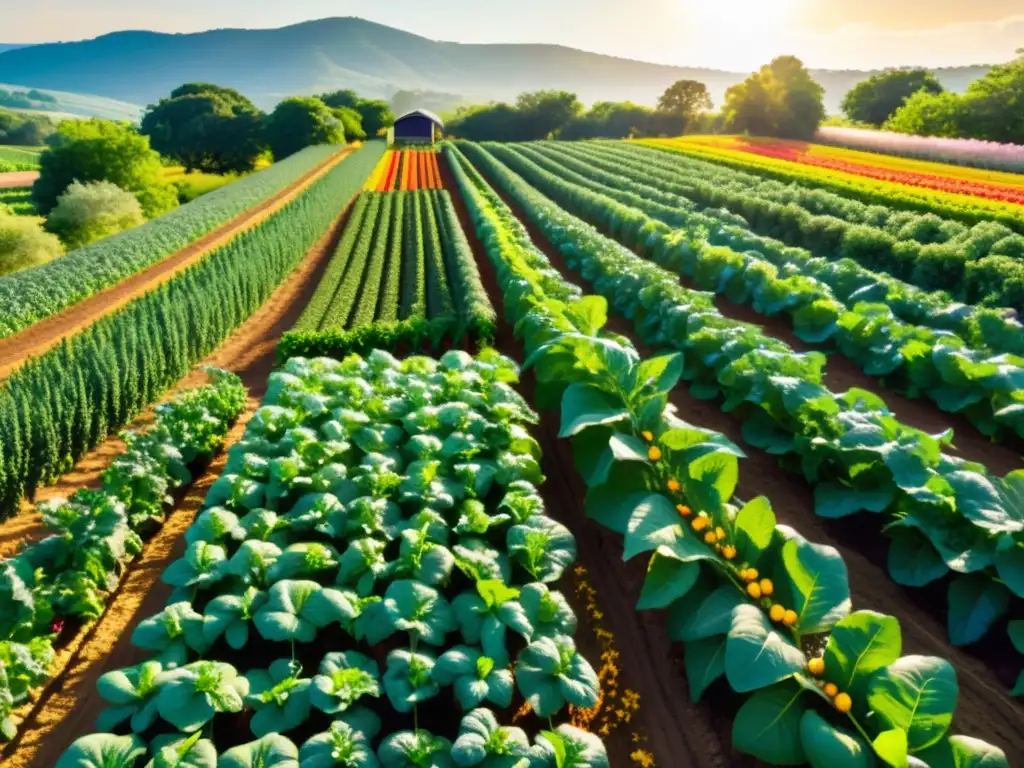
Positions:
(996, 281)
(88, 212)
(23, 244)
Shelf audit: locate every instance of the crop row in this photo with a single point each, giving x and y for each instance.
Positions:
(724, 258)
(984, 264)
(959, 207)
(376, 515)
(52, 587)
(943, 514)
(751, 602)
(34, 294)
(982, 328)
(57, 406)
(402, 271)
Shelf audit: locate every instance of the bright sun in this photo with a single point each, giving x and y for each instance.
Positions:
(746, 15)
(728, 32)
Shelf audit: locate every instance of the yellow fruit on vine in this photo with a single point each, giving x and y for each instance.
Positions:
(673, 485)
(790, 618)
(720, 532)
(816, 666)
(654, 453)
(843, 702)
(831, 689)
(684, 510)
(648, 436)
(729, 552)
(700, 523)
(710, 538)
(777, 612)
(754, 590)
(767, 588)
(750, 574)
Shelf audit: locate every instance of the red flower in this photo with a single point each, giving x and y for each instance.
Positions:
(56, 626)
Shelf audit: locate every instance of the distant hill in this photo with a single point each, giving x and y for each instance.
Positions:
(11, 46)
(61, 105)
(270, 64)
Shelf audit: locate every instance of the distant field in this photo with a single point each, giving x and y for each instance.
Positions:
(83, 105)
(19, 158)
(18, 200)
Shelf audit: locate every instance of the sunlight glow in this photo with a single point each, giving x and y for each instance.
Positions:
(735, 33)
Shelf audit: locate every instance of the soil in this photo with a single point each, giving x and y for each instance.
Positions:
(700, 733)
(67, 708)
(16, 179)
(47, 333)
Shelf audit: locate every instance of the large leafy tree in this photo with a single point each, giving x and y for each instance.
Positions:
(101, 150)
(876, 99)
(619, 120)
(780, 99)
(376, 114)
(206, 127)
(542, 113)
(929, 114)
(685, 99)
(302, 122)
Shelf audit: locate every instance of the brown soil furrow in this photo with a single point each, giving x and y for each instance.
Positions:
(68, 707)
(680, 733)
(985, 709)
(47, 333)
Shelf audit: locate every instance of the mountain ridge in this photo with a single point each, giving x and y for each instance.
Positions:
(141, 66)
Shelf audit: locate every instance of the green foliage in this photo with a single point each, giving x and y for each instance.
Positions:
(88, 212)
(34, 295)
(100, 150)
(620, 120)
(297, 123)
(206, 127)
(535, 115)
(874, 100)
(21, 130)
(781, 99)
(99, 379)
(929, 114)
(685, 99)
(375, 115)
(24, 244)
(352, 122)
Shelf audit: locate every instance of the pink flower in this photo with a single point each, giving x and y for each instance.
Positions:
(57, 626)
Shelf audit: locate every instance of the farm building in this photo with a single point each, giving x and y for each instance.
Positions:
(418, 126)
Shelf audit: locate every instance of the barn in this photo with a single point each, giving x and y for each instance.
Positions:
(418, 126)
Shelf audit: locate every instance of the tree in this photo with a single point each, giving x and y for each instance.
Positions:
(543, 113)
(101, 150)
(685, 99)
(619, 120)
(876, 99)
(929, 114)
(376, 113)
(206, 127)
(301, 122)
(781, 99)
(352, 122)
(23, 244)
(88, 212)
(994, 105)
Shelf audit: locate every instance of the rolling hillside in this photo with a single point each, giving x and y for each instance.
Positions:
(270, 64)
(70, 105)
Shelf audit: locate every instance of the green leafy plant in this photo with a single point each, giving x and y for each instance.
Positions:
(280, 698)
(551, 674)
(344, 677)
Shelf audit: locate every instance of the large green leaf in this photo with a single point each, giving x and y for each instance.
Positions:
(859, 645)
(1010, 565)
(667, 580)
(767, 726)
(964, 752)
(713, 617)
(755, 527)
(654, 522)
(813, 581)
(193, 694)
(705, 663)
(421, 749)
(272, 751)
(296, 609)
(975, 604)
(407, 679)
(568, 747)
(916, 694)
(339, 745)
(834, 501)
(551, 673)
(483, 741)
(827, 746)
(585, 406)
(755, 654)
(175, 751)
(103, 750)
(913, 561)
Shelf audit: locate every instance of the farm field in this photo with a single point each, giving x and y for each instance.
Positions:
(19, 158)
(538, 454)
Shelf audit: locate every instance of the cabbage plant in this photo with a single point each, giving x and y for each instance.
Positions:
(343, 678)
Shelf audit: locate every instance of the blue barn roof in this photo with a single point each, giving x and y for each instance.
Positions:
(422, 113)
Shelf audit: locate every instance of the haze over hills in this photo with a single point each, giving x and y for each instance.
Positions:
(270, 64)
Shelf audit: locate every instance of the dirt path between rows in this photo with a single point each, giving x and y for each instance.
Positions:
(48, 333)
(17, 179)
(985, 708)
(68, 707)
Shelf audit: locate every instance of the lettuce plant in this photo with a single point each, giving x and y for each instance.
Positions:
(280, 698)
(270, 751)
(568, 747)
(295, 610)
(190, 696)
(419, 749)
(230, 615)
(103, 750)
(543, 547)
(175, 629)
(476, 678)
(407, 679)
(343, 678)
(252, 561)
(483, 742)
(202, 565)
(339, 745)
(423, 559)
(215, 525)
(408, 606)
(551, 673)
(362, 564)
(304, 561)
(131, 693)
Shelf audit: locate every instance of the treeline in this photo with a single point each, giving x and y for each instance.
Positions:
(32, 99)
(210, 128)
(24, 130)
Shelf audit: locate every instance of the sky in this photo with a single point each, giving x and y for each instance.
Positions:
(726, 34)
